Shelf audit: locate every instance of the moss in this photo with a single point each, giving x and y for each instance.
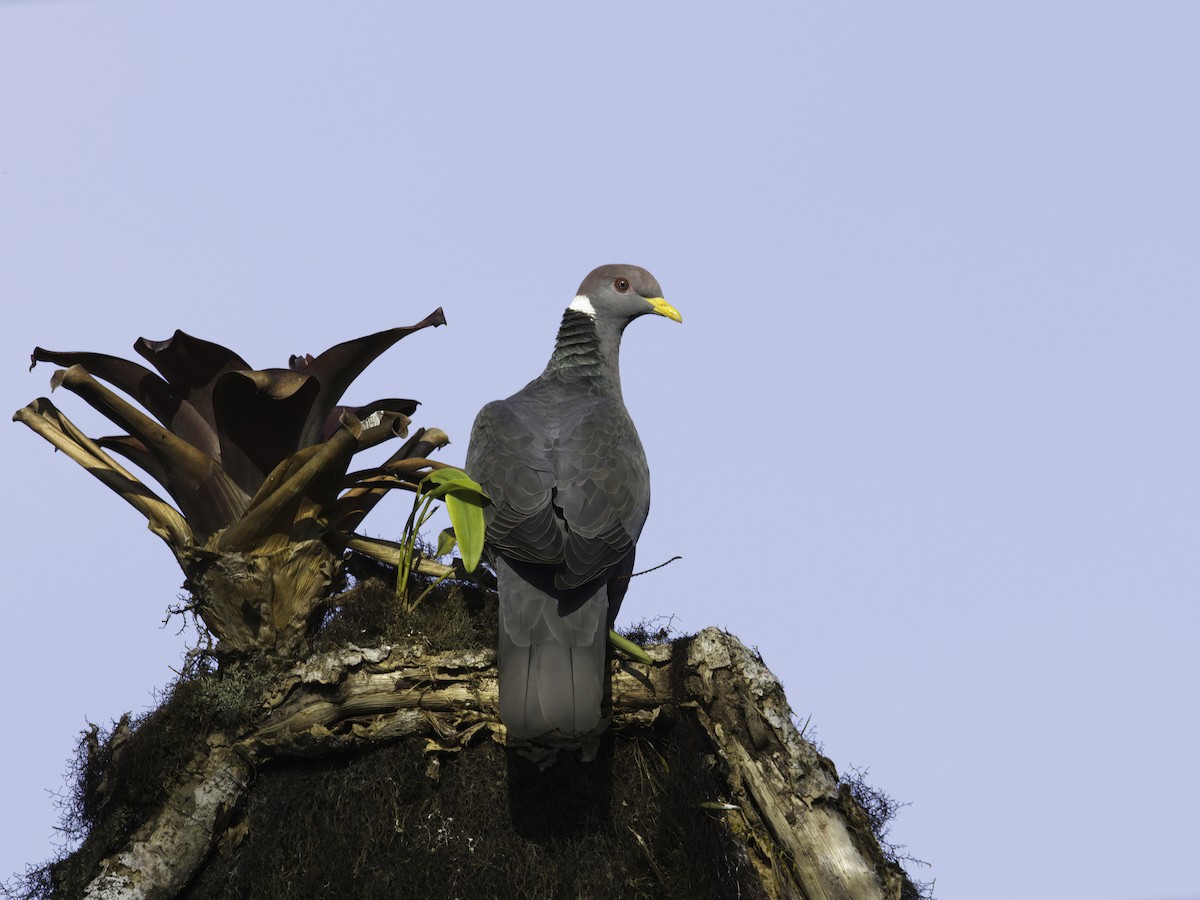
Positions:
(658, 630)
(455, 615)
(491, 825)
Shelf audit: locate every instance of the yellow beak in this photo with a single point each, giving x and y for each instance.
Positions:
(663, 308)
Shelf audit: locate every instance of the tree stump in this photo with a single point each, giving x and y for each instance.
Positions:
(383, 771)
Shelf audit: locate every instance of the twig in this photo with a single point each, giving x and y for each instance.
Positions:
(652, 569)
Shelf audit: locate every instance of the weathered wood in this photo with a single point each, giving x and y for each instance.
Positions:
(346, 694)
(165, 852)
(786, 792)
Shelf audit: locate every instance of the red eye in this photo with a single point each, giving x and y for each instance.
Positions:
(622, 285)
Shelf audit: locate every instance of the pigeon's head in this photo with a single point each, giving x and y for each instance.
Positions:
(622, 293)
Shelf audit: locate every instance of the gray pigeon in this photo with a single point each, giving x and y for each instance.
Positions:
(570, 491)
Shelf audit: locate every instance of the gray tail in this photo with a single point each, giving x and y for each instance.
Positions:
(551, 661)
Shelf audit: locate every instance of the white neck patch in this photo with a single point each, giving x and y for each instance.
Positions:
(582, 303)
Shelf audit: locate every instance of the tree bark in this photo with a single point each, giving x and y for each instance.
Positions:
(166, 852)
(784, 803)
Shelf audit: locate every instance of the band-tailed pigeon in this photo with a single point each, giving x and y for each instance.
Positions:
(570, 490)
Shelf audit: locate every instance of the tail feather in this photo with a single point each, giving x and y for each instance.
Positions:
(551, 665)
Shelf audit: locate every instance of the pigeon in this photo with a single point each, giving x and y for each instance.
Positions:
(569, 486)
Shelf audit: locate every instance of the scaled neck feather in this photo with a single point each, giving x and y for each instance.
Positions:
(587, 350)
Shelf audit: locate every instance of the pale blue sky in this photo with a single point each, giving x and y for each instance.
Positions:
(927, 437)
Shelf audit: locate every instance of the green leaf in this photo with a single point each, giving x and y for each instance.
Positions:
(466, 515)
(628, 647)
(451, 479)
(445, 544)
(464, 499)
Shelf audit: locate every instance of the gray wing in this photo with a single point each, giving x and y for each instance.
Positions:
(603, 490)
(574, 495)
(511, 460)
